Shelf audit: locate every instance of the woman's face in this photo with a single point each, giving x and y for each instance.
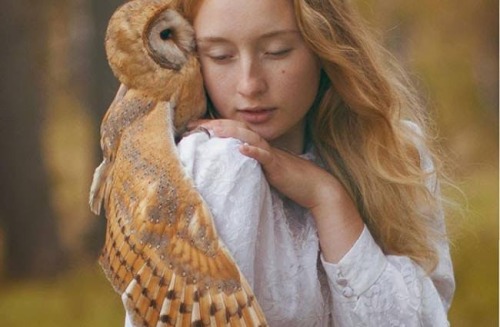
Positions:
(256, 66)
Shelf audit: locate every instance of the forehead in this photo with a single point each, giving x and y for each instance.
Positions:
(243, 18)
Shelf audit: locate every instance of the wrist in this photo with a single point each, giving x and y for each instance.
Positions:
(330, 193)
(337, 219)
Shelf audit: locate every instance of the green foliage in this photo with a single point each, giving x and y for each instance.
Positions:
(79, 298)
(451, 50)
(475, 254)
(450, 47)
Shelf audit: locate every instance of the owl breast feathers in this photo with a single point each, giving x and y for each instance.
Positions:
(162, 252)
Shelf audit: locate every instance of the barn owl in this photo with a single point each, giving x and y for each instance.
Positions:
(162, 252)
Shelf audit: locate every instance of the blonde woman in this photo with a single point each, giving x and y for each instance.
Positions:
(318, 172)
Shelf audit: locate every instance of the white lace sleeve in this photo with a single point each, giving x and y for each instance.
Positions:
(273, 241)
(232, 186)
(371, 289)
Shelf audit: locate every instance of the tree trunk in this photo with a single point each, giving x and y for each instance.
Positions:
(31, 239)
(102, 88)
(103, 85)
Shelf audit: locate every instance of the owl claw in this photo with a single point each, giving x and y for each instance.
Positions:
(199, 129)
(205, 130)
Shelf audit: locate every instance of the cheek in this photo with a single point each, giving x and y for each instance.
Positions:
(301, 81)
(217, 85)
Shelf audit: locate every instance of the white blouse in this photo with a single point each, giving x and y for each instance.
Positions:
(275, 243)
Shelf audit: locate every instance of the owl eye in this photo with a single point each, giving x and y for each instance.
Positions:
(166, 34)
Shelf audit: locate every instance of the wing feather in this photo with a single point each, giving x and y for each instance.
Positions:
(98, 187)
(187, 303)
(162, 250)
(127, 107)
(205, 304)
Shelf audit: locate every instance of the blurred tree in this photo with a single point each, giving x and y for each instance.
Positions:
(103, 84)
(32, 243)
(102, 87)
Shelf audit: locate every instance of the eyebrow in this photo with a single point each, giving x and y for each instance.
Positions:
(268, 35)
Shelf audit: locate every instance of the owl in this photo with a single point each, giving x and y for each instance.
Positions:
(162, 251)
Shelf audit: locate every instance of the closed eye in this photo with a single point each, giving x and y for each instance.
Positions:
(279, 53)
(220, 57)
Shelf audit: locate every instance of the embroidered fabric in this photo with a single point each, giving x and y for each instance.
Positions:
(275, 243)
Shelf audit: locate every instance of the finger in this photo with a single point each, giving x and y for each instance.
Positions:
(263, 156)
(198, 129)
(243, 134)
(231, 128)
(211, 123)
(223, 123)
(196, 123)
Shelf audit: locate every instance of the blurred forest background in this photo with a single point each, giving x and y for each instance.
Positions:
(56, 86)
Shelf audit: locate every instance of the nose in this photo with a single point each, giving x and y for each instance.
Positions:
(252, 81)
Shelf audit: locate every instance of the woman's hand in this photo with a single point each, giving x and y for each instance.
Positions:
(338, 221)
(297, 178)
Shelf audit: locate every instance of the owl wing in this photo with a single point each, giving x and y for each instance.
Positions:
(162, 252)
(102, 171)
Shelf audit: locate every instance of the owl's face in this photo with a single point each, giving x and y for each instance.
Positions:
(148, 44)
(169, 39)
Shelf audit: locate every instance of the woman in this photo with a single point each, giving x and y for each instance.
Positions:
(340, 224)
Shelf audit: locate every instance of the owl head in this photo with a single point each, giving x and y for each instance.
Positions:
(149, 43)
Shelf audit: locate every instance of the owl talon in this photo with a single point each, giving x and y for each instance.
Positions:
(199, 129)
(205, 130)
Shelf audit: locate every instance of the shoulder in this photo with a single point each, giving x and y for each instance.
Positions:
(201, 153)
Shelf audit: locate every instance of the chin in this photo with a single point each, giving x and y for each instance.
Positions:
(265, 133)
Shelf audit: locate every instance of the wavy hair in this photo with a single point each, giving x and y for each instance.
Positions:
(358, 130)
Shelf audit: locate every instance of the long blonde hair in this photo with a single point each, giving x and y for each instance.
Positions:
(356, 128)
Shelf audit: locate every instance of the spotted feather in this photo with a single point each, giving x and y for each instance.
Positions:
(162, 252)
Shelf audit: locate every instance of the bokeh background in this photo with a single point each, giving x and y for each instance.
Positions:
(56, 86)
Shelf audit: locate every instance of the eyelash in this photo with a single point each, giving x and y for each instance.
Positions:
(279, 53)
(272, 54)
(220, 58)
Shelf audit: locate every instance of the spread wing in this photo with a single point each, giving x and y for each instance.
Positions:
(162, 251)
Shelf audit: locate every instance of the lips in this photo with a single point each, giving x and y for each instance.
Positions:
(256, 115)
